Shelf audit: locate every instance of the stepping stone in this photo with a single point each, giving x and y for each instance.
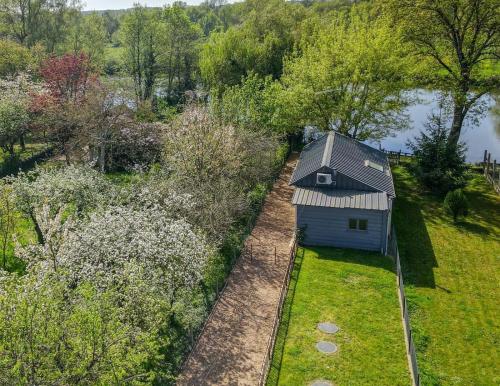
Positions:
(326, 347)
(321, 382)
(329, 328)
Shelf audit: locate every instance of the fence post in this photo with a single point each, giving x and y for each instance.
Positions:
(485, 157)
(494, 169)
(488, 163)
(275, 254)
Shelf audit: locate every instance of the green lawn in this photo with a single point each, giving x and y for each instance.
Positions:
(31, 149)
(452, 282)
(357, 291)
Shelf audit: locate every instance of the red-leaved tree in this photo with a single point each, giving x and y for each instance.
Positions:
(66, 79)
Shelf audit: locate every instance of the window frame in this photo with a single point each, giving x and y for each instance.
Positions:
(357, 222)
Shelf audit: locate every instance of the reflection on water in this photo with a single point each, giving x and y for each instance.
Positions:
(484, 135)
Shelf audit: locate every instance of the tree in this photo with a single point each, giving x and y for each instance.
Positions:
(67, 80)
(7, 219)
(455, 203)
(178, 41)
(87, 34)
(14, 58)
(139, 36)
(14, 111)
(458, 36)
(217, 164)
(438, 167)
(348, 75)
(79, 188)
(36, 21)
(258, 45)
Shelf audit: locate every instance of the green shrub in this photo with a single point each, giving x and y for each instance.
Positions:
(438, 166)
(455, 203)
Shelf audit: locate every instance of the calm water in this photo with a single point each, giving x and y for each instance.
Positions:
(485, 135)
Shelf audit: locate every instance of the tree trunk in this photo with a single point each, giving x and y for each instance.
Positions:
(38, 231)
(22, 142)
(456, 126)
(102, 157)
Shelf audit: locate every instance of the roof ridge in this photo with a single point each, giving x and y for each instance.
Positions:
(327, 153)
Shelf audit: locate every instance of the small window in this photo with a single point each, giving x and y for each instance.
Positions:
(358, 224)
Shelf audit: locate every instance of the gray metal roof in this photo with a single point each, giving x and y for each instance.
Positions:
(348, 157)
(333, 198)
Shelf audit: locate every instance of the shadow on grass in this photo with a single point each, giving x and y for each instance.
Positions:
(415, 247)
(354, 256)
(279, 346)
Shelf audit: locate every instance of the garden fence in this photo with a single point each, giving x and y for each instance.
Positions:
(279, 311)
(410, 346)
(491, 171)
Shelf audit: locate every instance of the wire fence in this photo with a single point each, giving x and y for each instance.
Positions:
(410, 346)
(279, 312)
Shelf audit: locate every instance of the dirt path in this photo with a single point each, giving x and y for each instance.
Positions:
(233, 345)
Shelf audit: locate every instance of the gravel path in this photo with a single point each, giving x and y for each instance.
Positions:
(233, 345)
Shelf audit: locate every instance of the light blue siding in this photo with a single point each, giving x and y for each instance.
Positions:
(330, 227)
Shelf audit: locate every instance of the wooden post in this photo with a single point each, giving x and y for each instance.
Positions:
(488, 164)
(494, 169)
(275, 254)
(485, 157)
(399, 156)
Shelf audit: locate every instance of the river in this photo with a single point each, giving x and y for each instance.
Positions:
(479, 137)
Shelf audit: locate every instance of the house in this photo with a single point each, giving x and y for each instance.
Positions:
(343, 194)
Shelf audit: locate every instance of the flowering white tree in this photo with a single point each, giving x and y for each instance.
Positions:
(80, 187)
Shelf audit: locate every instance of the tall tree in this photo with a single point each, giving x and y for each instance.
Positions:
(347, 75)
(88, 34)
(139, 37)
(458, 36)
(178, 42)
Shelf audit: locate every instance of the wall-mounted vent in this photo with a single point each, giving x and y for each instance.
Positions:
(323, 179)
(374, 165)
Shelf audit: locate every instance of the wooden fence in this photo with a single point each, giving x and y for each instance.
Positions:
(491, 171)
(410, 347)
(395, 156)
(277, 318)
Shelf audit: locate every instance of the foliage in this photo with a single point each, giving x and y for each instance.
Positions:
(81, 187)
(50, 333)
(139, 36)
(258, 45)
(217, 164)
(87, 34)
(353, 82)
(178, 61)
(39, 21)
(14, 58)
(455, 203)
(456, 37)
(7, 219)
(438, 166)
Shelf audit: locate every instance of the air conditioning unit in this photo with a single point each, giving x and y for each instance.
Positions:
(323, 179)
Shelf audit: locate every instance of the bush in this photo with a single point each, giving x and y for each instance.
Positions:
(438, 167)
(455, 203)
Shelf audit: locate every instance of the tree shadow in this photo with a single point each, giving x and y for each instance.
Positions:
(415, 247)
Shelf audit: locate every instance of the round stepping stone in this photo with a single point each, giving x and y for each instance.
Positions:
(321, 382)
(326, 347)
(329, 328)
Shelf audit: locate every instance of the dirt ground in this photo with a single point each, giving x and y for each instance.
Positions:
(233, 345)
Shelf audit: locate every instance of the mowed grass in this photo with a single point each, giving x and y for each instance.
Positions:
(357, 291)
(451, 274)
